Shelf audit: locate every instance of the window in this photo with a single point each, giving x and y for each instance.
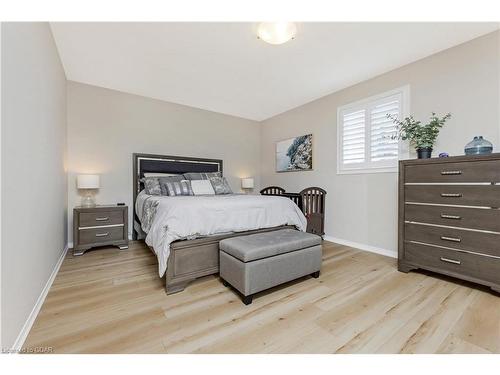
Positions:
(364, 133)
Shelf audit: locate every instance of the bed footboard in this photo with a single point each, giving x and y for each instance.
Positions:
(189, 261)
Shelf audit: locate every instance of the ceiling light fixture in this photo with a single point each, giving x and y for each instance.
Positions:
(276, 32)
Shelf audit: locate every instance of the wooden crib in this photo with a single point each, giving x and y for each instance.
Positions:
(311, 201)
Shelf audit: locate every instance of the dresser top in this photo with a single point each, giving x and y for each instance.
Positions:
(451, 159)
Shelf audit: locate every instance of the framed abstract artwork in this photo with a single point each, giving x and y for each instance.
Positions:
(294, 154)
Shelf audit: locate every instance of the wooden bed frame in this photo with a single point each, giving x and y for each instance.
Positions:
(189, 259)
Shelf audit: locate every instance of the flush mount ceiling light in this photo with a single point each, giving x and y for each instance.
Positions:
(276, 32)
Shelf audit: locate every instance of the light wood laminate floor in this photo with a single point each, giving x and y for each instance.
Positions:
(111, 301)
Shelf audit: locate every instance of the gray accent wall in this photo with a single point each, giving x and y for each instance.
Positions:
(362, 208)
(34, 181)
(105, 127)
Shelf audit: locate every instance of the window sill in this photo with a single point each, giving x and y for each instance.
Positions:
(368, 170)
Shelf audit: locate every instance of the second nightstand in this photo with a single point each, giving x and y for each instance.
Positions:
(99, 226)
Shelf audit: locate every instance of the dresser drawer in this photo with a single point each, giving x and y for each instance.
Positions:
(462, 217)
(478, 242)
(470, 171)
(93, 219)
(100, 235)
(475, 195)
(453, 262)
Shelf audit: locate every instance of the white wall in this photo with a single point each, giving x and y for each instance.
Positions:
(463, 80)
(105, 127)
(34, 181)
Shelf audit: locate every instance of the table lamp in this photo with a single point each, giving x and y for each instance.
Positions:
(247, 183)
(89, 183)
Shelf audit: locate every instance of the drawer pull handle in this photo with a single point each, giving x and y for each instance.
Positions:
(447, 260)
(454, 217)
(102, 234)
(102, 218)
(450, 173)
(452, 239)
(451, 195)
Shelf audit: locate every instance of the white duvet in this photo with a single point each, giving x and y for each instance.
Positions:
(188, 217)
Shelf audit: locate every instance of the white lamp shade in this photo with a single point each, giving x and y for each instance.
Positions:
(87, 181)
(247, 183)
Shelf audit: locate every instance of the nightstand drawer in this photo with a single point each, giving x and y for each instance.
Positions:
(94, 219)
(100, 235)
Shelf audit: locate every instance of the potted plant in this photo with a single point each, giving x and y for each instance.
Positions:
(421, 136)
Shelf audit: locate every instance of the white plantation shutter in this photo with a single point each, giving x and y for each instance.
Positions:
(353, 137)
(382, 147)
(365, 134)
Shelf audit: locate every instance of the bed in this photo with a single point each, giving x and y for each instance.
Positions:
(184, 231)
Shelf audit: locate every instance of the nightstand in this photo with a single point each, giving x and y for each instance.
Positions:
(99, 226)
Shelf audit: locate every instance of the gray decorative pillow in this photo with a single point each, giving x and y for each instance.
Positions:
(201, 176)
(152, 185)
(220, 185)
(175, 188)
(164, 180)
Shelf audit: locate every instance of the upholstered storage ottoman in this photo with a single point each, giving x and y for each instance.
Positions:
(261, 261)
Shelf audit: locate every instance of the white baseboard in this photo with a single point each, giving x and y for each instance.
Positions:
(18, 344)
(361, 246)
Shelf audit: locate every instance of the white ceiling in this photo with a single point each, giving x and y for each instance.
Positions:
(223, 67)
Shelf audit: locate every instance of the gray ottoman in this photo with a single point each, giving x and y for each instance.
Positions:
(260, 261)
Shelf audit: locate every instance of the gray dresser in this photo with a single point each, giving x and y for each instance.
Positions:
(449, 217)
(99, 226)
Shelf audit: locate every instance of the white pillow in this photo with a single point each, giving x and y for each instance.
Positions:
(202, 187)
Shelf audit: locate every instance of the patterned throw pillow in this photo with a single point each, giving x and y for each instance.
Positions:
(178, 188)
(152, 185)
(201, 176)
(164, 180)
(220, 185)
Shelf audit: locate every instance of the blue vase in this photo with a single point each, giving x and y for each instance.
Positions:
(478, 146)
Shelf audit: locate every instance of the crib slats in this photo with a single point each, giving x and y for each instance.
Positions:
(311, 201)
(272, 190)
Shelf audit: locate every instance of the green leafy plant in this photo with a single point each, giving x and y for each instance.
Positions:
(420, 135)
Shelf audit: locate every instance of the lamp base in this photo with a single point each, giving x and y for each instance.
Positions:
(88, 200)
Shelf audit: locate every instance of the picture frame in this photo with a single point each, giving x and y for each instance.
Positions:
(295, 154)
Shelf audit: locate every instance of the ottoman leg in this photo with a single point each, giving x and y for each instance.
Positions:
(225, 283)
(315, 274)
(247, 300)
